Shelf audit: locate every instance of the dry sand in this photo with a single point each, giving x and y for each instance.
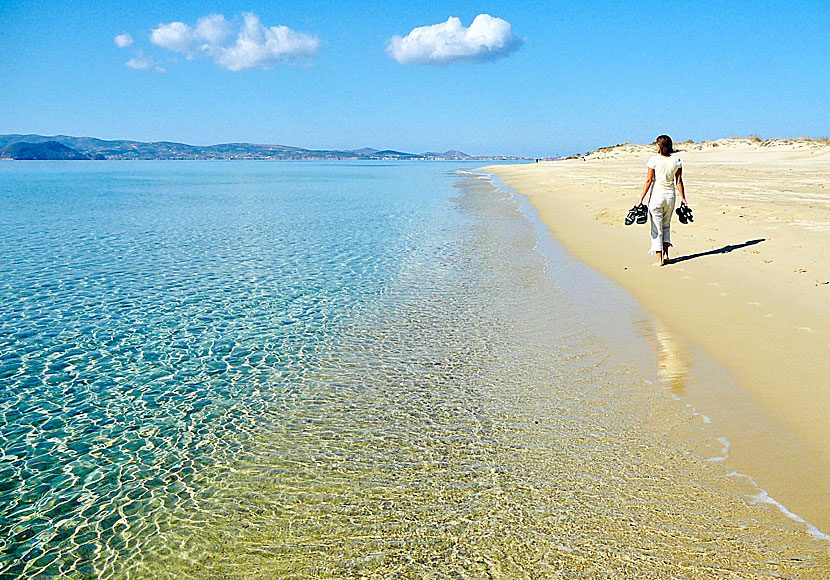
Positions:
(750, 285)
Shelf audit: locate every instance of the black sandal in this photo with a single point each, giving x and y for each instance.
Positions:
(632, 215)
(684, 214)
(642, 214)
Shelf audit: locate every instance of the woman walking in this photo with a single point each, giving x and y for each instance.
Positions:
(664, 171)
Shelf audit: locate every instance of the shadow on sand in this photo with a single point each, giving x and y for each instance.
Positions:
(723, 250)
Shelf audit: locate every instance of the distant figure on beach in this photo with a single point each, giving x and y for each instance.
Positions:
(664, 170)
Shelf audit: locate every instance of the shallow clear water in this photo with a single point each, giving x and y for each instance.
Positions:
(330, 370)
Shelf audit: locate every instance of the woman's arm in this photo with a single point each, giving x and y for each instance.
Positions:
(679, 178)
(649, 183)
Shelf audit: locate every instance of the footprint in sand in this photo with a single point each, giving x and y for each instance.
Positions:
(767, 261)
(800, 270)
(806, 329)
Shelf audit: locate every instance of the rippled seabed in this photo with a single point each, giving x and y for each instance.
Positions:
(265, 370)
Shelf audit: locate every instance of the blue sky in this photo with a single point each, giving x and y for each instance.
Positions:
(548, 77)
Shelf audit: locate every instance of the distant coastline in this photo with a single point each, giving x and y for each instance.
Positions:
(24, 147)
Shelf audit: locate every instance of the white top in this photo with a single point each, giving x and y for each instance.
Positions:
(665, 168)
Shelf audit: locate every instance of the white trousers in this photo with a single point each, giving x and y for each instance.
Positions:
(660, 210)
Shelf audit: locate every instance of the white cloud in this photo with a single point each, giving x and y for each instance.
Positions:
(260, 47)
(143, 62)
(449, 42)
(254, 45)
(123, 40)
(175, 36)
(213, 29)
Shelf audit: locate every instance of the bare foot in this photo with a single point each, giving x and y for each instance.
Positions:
(659, 256)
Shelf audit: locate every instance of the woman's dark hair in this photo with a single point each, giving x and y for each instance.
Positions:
(665, 145)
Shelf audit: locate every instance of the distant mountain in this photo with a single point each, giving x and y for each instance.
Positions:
(451, 154)
(91, 148)
(48, 150)
(365, 151)
(390, 154)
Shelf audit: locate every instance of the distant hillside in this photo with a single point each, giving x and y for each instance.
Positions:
(91, 148)
(48, 150)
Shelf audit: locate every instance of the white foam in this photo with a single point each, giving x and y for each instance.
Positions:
(724, 450)
(764, 497)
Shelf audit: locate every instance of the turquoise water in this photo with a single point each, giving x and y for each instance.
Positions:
(234, 370)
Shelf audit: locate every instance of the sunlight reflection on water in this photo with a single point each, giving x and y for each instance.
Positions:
(369, 379)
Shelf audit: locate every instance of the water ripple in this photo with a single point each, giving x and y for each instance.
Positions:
(299, 370)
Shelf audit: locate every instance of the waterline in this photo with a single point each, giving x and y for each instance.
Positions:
(372, 377)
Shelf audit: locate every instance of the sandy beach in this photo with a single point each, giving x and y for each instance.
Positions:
(749, 285)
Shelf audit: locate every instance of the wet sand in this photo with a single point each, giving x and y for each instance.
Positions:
(749, 286)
